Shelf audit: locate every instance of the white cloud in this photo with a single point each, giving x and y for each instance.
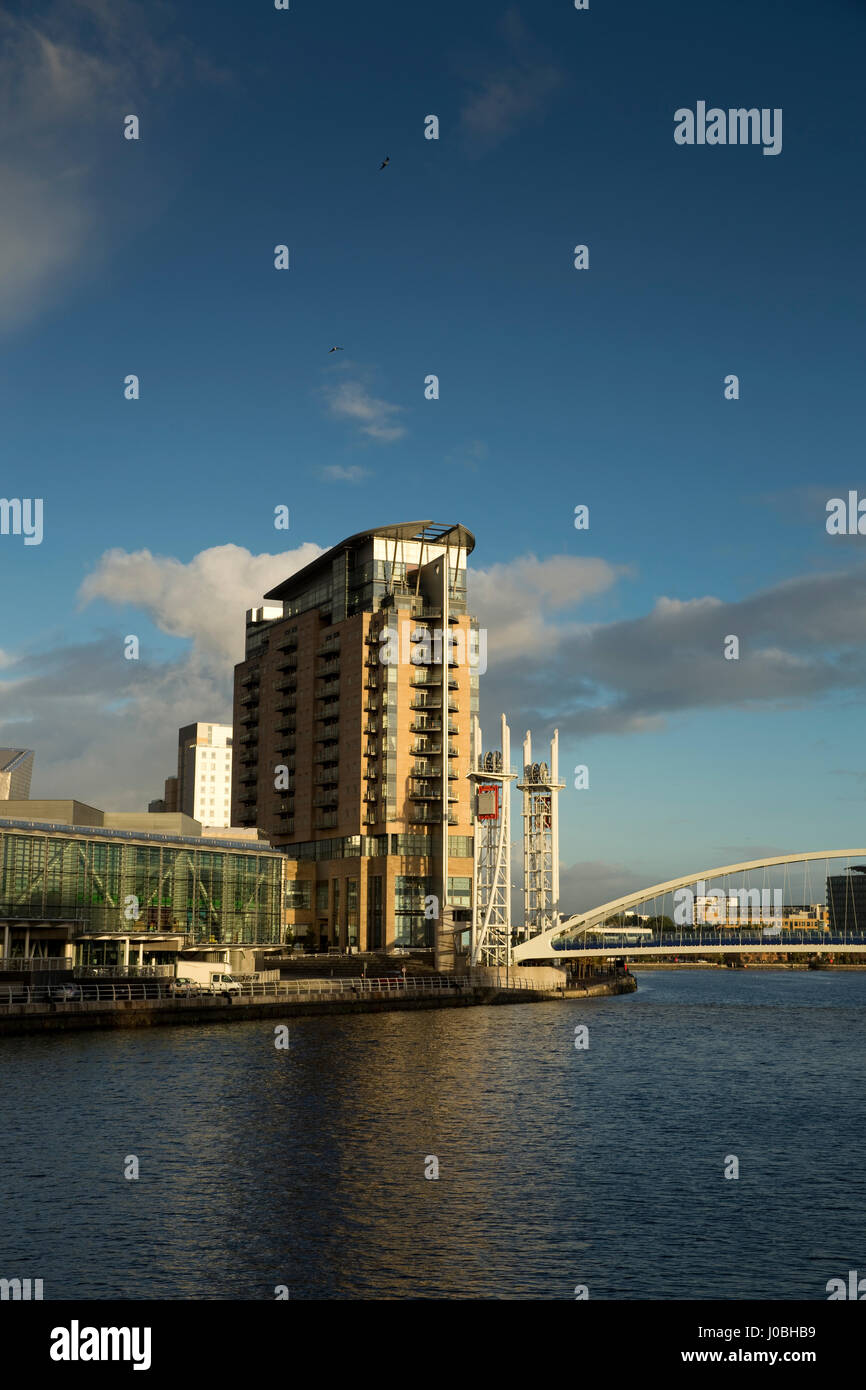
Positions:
(63, 71)
(337, 473)
(518, 601)
(511, 92)
(350, 400)
(204, 599)
(799, 641)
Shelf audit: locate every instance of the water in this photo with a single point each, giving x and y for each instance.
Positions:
(557, 1167)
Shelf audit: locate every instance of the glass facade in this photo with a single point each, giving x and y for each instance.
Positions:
(375, 913)
(112, 884)
(371, 846)
(412, 927)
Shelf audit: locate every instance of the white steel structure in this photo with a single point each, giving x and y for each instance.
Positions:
(491, 777)
(540, 788)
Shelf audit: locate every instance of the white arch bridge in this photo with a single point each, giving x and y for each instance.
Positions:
(758, 905)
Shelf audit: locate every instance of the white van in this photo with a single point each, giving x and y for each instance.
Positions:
(221, 984)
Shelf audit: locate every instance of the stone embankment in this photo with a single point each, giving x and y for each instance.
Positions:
(77, 1015)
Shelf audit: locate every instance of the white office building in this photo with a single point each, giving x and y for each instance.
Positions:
(204, 773)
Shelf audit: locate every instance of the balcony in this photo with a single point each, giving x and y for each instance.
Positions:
(423, 745)
(289, 663)
(330, 647)
(290, 645)
(425, 722)
(426, 702)
(329, 799)
(325, 820)
(329, 668)
(330, 757)
(249, 719)
(330, 733)
(371, 728)
(249, 738)
(420, 791)
(326, 776)
(428, 676)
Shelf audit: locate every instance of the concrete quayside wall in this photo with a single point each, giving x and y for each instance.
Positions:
(77, 1015)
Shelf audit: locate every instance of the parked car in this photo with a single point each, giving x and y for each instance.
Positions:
(184, 987)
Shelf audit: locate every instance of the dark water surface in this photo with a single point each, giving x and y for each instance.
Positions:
(557, 1167)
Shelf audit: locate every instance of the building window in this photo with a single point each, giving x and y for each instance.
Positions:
(412, 926)
(460, 892)
(299, 895)
(375, 919)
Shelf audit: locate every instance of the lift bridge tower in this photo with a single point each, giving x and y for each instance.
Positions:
(541, 788)
(491, 777)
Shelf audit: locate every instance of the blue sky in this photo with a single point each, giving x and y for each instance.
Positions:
(557, 386)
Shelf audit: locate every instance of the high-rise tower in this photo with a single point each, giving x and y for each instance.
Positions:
(352, 719)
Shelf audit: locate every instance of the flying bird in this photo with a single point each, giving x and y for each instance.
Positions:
(335, 349)
(386, 160)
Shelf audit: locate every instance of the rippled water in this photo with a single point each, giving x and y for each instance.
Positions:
(557, 1167)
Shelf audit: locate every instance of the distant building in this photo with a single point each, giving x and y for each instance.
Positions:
(202, 787)
(846, 899)
(16, 772)
(204, 773)
(170, 794)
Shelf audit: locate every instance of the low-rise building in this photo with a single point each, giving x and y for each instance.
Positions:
(119, 889)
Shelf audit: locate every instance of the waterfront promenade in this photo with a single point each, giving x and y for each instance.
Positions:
(31, 1009)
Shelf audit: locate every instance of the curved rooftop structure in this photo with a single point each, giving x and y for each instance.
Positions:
(436, 535)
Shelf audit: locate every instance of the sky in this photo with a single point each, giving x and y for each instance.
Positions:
(559, 387)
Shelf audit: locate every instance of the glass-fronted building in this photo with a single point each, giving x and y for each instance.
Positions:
(65, 883)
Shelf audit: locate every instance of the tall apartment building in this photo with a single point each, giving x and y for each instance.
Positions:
(204, 773)
(16, 771)
(353, 711)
